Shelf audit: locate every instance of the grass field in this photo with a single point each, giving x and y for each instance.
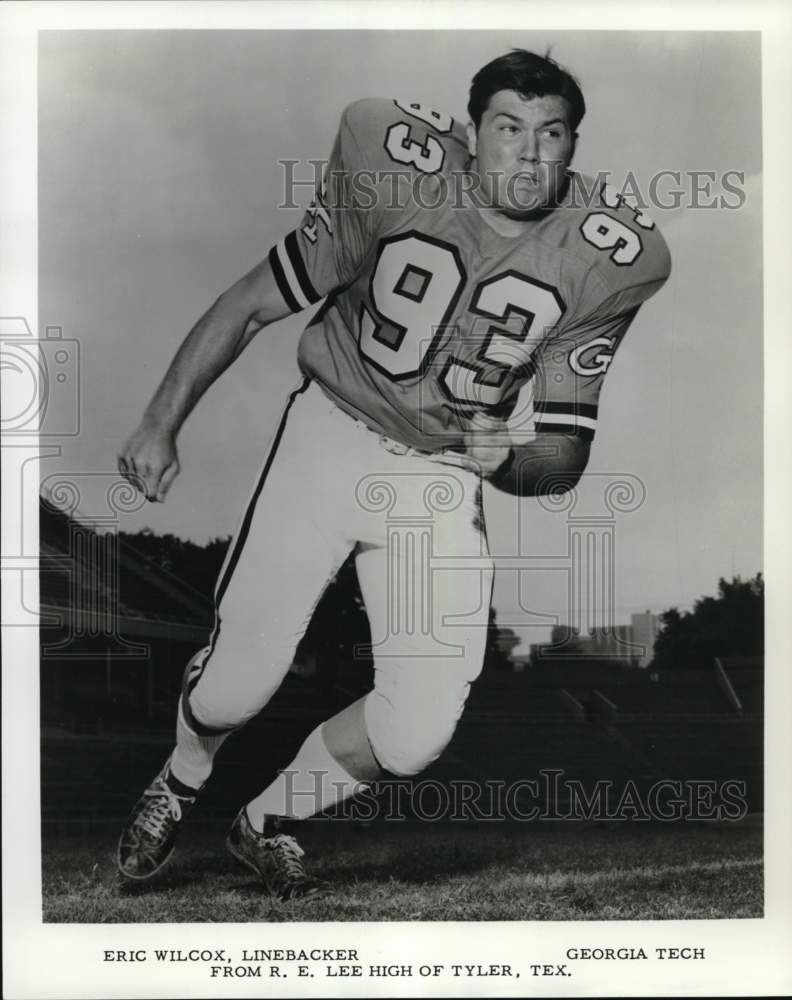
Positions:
(429, 872)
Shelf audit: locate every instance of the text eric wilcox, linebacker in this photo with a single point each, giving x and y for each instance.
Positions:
(475, 290)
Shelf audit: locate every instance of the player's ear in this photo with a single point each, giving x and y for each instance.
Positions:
(471, 138)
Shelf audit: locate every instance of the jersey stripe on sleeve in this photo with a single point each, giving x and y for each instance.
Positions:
(280, 278)
(291, 275)
(566, 418)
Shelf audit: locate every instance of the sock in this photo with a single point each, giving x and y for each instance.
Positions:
(312, 782)
(192, 759)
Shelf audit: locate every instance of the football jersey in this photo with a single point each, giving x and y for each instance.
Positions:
(431, 314)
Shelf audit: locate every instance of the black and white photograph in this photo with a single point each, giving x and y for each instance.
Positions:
(388, 507)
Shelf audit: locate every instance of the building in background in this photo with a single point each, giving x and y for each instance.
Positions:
(628, 645)
(645, 628)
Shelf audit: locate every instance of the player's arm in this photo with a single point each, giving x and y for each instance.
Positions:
(322, 254)
(553, 463)
(149, 458)
(569, 372)
(216, 340)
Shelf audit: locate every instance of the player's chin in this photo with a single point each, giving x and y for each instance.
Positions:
(525, 204)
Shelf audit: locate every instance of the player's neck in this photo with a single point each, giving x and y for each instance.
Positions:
(502, 224)
(512, 226)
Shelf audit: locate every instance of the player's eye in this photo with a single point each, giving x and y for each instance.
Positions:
(509, 129)
(552, 133)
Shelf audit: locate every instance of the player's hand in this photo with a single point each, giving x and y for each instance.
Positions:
(487, 446)
(150, 462)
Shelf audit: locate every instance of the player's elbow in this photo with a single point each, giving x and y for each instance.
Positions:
(553, 466)
(565, 470)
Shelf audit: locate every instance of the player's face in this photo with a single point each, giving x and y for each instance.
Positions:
(522, 150)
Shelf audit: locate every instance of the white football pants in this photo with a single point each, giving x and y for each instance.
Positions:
(329, 486)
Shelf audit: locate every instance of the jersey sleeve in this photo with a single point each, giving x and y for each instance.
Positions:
(327, 249)
(570, 367)
(569, 372)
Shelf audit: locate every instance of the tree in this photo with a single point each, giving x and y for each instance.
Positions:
(731, 624)
(194, 564)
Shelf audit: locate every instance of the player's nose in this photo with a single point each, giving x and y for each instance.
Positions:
(530, 149)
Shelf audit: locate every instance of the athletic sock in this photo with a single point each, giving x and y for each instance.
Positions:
(191, 763)
(178, 787)
(312, 782)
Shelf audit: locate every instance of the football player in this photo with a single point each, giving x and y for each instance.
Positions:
(475, 290)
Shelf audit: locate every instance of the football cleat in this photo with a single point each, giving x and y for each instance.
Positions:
(274, 855)
(148, 839)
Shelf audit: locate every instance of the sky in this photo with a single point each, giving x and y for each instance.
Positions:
(159, 185)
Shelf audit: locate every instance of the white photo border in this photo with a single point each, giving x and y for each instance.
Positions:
(746, 957)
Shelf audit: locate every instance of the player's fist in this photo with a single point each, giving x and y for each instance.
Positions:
(487, 445)
(150, 462)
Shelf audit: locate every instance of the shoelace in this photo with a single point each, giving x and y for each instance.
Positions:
(288, 854)
(154, 819)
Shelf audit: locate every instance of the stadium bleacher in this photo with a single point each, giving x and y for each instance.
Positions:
(511, 731)
(107, 723)
(663, 699)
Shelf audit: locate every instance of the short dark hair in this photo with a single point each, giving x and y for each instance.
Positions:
(529, 75)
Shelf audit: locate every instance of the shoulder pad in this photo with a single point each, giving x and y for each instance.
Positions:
(385, 134)
(617, 235)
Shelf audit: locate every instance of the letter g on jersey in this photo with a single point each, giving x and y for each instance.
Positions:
(587, 360)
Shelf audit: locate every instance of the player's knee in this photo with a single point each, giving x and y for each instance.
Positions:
(225, 686)
(211, 710)
(407, 735)
(201, 711)
(408, 753)
(210, 719)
